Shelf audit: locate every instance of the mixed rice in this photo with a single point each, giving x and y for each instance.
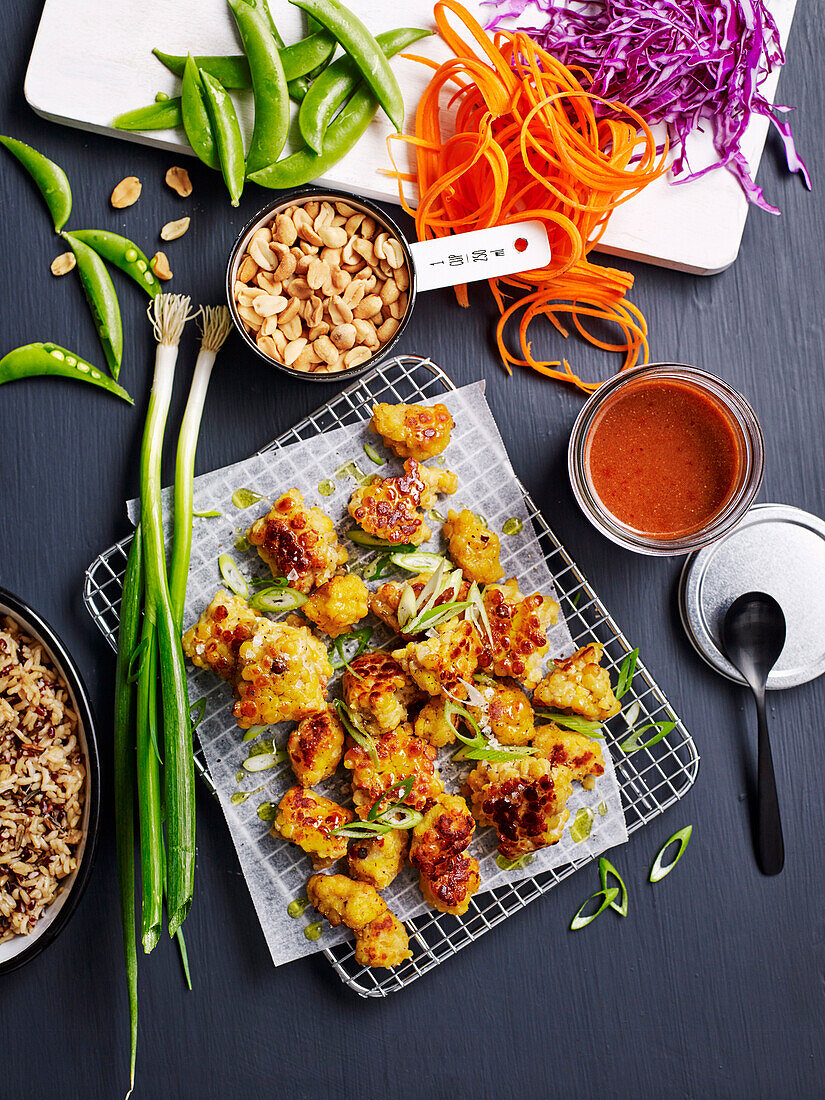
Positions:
(42, 777)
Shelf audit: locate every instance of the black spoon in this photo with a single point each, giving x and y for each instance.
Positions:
(753, 635)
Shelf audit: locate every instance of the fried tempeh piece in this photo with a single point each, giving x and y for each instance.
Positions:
(439, 663)
(378, 691)
(400, 754)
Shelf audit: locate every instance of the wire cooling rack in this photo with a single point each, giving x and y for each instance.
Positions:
(651, 779)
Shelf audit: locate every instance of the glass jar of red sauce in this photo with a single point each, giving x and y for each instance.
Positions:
(665, 458)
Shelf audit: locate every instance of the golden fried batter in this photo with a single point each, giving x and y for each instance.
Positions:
(577, 683)
(431, 723)
(400, 754)
(378, 860)
(508, 714)
(386, 598)
(388, 507)
(283, 674)
(519, 628)
(378, 691)
(315, 747)
(308, 820)
(473, 547)
(338, 605)
(297, 542)
(451, 889)
(575, 751)
(439, 663)
(444, 832)
(413, 431)
(380, 938)
(524, 800)
(215, 639)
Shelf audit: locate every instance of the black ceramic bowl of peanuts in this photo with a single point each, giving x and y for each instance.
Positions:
(321, 283)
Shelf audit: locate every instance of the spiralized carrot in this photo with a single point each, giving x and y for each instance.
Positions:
(529, 144)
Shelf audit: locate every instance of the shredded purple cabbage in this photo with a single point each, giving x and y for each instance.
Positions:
(678, 62)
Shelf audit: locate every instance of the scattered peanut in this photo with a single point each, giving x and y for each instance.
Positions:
(322, 287)
(160, 265)
(178, 180)
(126, 193)
(172, 230)
(63, 264)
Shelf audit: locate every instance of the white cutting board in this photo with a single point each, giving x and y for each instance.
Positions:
(92, 60)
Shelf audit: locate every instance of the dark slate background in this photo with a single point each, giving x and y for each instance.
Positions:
(713, 986)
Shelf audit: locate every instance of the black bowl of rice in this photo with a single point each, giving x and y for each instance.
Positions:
(49, 784)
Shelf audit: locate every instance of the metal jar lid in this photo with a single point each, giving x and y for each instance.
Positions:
(775, 549)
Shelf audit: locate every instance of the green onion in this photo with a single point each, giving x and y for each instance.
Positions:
(576, 598)
(478, 612)
(245, 498)
(268, 582)
(139, 655)
(436, 616)
(277, 598)
(572, 722)
(402, 786)
(373, 455)
(384, 823)
(657, 871)
(362, 636)
(263, 761)
(606, 868)
(626, 672)
(478, 747)
(233, 579)
(515, 864)
(406, 606)
(197, 711)
(418, 561)
(253, 732)
(212, 514)
(362, 538)
(378, 568)
(579, 921)
(632, 743)
(359, 735)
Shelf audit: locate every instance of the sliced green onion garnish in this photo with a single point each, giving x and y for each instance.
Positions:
(406, 607)
(363, 538)
(245, 498)
(253, 732)
(360, 736)
(482, 519)
(261, 762)
(418, 561)
(232, 576)
(436, 616)
(276, 599)
(576, 598)
(362, 636)
(197, 711)
(512, 526)
(382, 824)
(608, 897)
(433, 513)
(633, 744)
(582, 825)
(213, 513)
(268, 582)
(657, 871)
(362, 830)
(572, 722)
(401, 788)
(626, 672)
(478, 747)
(606, 868)
(479, 612)
(373, 455)
(378, 568)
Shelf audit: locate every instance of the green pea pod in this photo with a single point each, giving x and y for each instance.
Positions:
(34, 360)
(271, 126)
(363, 49)
(305, 165)
(196, 122)
(155, 116)
(100, 294)
(337, 83)
(232, 70)
(124, 254)
(51, 180)
(299, 87)
(227, 132)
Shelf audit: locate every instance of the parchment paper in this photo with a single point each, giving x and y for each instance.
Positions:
(276, 871)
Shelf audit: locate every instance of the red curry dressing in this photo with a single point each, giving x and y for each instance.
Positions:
(663, 458)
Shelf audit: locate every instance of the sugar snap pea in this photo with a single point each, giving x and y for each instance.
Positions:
(363, 49)
(100, 294)
(299, 87)
(50, 179)
(232, 70)
(196, 122)
(271, 126)
(34, 360)
(227, 132)
(305, 165)
(123, 253)
(155, 116)
(339, 80)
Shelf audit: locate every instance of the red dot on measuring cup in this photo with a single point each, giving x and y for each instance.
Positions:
(521, 244)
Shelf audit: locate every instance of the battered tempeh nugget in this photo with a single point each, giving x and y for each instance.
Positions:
(283, 672)
(524, 800)
(378, 691)
(575, 751)
(308, 819)
(413, 431)
(473, 547)
(400, 754)
(388, 507)
(315, 747)
(439, 663)
(298, 542)
(508, 714)
(215, 639)
(577, 683)
(380, 938)
(519, 628)
(336, 606)
(379, 859)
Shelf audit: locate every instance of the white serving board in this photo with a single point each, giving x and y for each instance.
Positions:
(92, 60)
